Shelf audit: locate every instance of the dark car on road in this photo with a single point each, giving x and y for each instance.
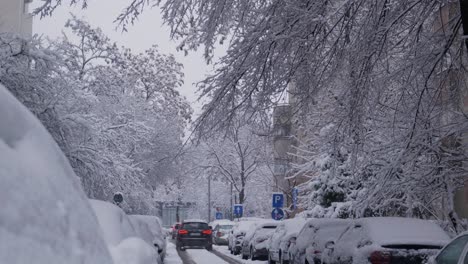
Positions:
(194, 233)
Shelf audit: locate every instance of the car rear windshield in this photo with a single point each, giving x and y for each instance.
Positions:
(195, 225)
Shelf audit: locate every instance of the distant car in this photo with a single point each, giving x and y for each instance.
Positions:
(175, 229)
(236, 235)
(152, 232)
(122, 239)
(194, 233)
(45, 216)
(284, 234)
(254, 244)
(455, 252)
(311, 239)
(221, 231)
(389, 240)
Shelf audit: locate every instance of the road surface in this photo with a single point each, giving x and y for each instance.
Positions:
(219, 255)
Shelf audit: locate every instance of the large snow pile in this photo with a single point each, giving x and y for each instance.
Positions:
(45, 216)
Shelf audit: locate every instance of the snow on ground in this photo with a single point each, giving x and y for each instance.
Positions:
(224, 250)
(171, 255)
(204, 256)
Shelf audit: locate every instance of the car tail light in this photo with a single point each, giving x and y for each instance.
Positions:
(183, 232)
(317, 252)
(380, 257)
(219, 234)
(207, 232)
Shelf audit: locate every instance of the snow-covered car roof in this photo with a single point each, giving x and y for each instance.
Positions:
(222, 222)
(292, 227)
(399, 231)
(194, 221)
(45, 215)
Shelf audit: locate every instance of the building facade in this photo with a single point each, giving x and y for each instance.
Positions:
(15, 17)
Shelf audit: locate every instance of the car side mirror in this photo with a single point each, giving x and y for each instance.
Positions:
(210, 227)
(330, 245)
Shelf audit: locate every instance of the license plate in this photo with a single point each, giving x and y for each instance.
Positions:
(194, 234)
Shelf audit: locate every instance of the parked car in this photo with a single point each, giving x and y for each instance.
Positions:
(311, 239)
(236, 235)
(221, 231)
(122, 239)
(194, 233)
(386, 240)
(455, 252)
(284, 234)
(254, 244)
(175, 229)
(153, 232)
(45, 216)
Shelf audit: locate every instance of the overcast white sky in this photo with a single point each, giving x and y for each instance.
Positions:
(148, 30)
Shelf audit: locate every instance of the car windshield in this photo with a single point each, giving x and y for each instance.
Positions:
(195, 226)
(225, 227)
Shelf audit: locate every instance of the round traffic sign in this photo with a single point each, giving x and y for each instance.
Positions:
(277, 214)
(118, 197)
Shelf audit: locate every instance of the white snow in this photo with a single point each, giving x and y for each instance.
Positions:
(397, 231)
(171, 255)
(134, 250)
(223, 250)
(45, 217)
(126, 246)
(156, 231)
(114, 222)
(204, 256)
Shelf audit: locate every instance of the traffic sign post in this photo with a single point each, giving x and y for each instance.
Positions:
(277, 214)
(278, 200)
(219, 215)
(238, 210)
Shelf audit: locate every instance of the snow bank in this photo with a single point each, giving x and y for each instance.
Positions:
(45, 216)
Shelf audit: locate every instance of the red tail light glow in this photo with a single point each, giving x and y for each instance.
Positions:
(183, 232)
(380, 257)
(207, 232)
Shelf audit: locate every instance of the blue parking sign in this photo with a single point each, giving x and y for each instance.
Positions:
(219, 215)
(238, 210)
(278, 200)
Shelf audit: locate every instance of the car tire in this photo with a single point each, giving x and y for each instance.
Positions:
(244, 256)
(252, 254)
(269, 259)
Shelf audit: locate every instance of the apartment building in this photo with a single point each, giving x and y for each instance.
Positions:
(15, 17)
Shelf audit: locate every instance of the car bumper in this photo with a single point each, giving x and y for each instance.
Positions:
(194, 242)
(262, 252)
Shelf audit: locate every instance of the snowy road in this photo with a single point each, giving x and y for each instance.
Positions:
(220, 255)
